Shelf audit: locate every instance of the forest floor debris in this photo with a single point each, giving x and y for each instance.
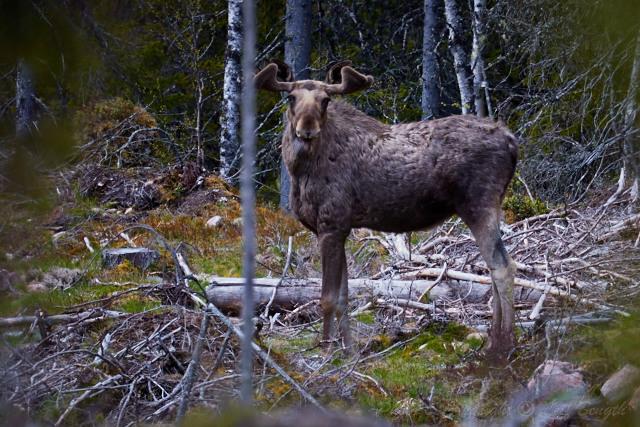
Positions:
(117, 342)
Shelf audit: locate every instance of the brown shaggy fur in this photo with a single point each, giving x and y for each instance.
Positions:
(349, 170)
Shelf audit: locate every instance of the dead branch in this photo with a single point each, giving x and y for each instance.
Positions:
(265, 314)
(459, 275)
(94, 315)
(190, 375)
(264, 356)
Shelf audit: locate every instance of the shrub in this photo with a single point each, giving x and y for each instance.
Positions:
(518, 207)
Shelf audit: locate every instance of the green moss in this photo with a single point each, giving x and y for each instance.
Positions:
(226, 263)
(410, 371)
(605, 348)
(54, 301)
(301, 342)
(136, 304)
(367, 317)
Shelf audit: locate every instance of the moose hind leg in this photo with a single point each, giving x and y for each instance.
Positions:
(487, 234)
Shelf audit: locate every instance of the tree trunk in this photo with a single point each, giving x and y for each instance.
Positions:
(430, 86)
(230, 120)
(248, 195)
(25, 101)
(477, 55)
(460, 62)
(631, 145)
(297, 53)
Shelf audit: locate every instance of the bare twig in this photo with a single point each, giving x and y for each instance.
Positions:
(190, 375)
(265, 314)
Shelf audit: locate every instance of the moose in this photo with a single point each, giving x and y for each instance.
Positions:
(349, 170)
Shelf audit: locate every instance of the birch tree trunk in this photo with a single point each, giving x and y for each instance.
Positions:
(631, 144)
(430, 86)
(230, 120)
(248, 196)
(25, 102)
(297, 53)
(477, 55)
(460, 62)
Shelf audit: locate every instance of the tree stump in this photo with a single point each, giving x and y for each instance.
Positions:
(140, 257)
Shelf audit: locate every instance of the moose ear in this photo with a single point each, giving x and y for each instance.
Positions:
(267, 79)
(351, 81)
(333, 71)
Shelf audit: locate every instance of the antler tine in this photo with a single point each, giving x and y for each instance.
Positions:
(333, 71)
(351, 81)
(267, 79)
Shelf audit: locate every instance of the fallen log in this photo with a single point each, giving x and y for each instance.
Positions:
(93, 315)
(226, 292)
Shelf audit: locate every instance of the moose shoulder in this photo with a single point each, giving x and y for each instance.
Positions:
(349, 170)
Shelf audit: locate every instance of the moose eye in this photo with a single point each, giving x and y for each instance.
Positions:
(325, 103)
(292, 100)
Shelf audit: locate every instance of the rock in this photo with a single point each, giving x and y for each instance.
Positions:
(36, 287)
(140, 257)
(237, 222)
(58, 277)
(634, 402)
(621, 384)
(128, 211)
(553, 378)
(477, 336)
(214, 221)
(8, 279)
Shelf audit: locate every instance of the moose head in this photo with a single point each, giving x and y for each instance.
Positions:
(309, 99)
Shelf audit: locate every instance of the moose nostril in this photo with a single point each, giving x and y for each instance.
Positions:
(305, 134)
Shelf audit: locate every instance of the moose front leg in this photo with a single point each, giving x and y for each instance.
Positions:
(333, 270)
(342, 309)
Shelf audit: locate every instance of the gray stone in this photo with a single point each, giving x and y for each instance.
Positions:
(621, 384)
(60, 277)
(553, 378)
(478, 336)
(214, 221)
(139, 257)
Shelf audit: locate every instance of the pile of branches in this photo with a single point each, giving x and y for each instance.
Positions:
(137, 188)
(141, 188)
(568, 261)
(135, 371)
